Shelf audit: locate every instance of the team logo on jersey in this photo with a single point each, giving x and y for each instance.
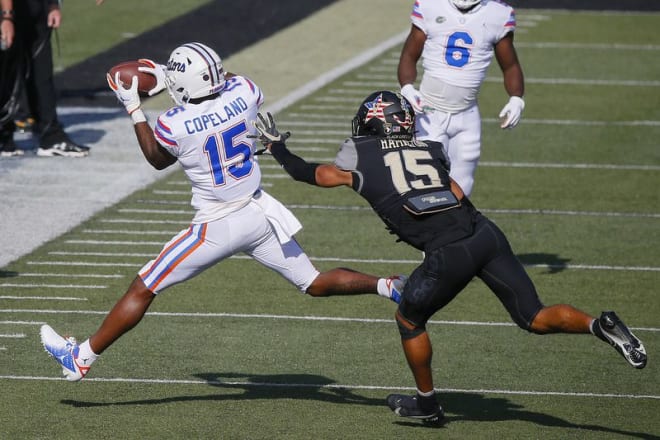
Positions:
(440, 20)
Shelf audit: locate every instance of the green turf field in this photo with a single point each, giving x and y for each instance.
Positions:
(237, 353)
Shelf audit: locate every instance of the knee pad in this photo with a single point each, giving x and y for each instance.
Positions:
(408, 333)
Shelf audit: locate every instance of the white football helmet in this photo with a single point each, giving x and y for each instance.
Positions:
(465, 4)
(194, 70)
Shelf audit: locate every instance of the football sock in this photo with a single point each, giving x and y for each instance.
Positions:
(85, 352)
(382, 288)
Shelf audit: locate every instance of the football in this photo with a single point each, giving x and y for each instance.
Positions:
(128, 69)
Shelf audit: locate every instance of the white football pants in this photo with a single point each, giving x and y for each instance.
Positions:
(460, 134)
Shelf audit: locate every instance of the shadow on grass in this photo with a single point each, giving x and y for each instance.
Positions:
(461, 407)
(553, 262)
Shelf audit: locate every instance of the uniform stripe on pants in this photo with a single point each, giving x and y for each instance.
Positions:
(172, 255)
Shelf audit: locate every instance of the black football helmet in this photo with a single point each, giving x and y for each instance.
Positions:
(384, 113)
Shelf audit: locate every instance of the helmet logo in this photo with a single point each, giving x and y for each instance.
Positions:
(176, 66)
(376, 109)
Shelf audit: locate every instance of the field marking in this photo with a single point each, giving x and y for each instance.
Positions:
(597, 46)
(67, 275)
(538, 211)
(285, 317)
(547, 81)
(128, 232)
(13, 336)
(45, 298)
(336, 386)
(22, 322)
(323, 259)
(54, 286)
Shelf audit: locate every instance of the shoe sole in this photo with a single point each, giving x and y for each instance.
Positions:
(56, 153)
(434, 418)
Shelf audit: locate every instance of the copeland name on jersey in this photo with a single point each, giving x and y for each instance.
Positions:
(458, 49)
(210, 141)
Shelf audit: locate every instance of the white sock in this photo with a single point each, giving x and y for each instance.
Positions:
(427, 394)
(85, 353)
(382, 288)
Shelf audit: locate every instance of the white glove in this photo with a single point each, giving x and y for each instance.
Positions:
(414, 97)
(511, 112)
(157, 70)
(128, 97)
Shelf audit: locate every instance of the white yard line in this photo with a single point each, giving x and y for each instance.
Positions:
(285, 317)
(335, 386)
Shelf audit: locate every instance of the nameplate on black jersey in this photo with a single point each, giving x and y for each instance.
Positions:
(431, 202)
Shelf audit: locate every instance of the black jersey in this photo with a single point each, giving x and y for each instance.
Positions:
(394, 174)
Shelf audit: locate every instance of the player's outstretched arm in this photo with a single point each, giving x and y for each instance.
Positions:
(325, 175)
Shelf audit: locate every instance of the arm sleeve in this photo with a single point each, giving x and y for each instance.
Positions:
(296, 166)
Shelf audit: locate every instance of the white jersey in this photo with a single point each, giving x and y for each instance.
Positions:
(458, 49)
(210, 141)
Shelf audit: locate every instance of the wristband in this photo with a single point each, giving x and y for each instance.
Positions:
(138, 116)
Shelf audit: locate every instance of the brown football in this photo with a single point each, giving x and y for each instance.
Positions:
(128, 69)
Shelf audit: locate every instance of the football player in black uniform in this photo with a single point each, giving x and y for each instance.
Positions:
(407, 184)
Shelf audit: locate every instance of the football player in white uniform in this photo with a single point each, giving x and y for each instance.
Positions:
(456, 40)
(210, 133)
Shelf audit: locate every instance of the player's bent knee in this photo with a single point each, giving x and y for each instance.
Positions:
(407, 329)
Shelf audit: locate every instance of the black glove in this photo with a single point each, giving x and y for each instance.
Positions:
(267, 131)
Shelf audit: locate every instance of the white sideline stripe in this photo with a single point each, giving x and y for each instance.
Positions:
(335, 386)
(53, 286)
(365, 208)
(128, 232)
(590, 166)
(13, 336)
(162, 202)
(103, 254)
(285, 317)
(599, 46)
(22, 322)
(551, 81)
(170, 192)
(144, 222)
(46, 298)
(67, 275)
(81, 263)
(3, 348)
(325, 259)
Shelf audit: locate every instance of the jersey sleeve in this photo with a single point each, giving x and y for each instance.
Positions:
(165, 135)
(509, 19)
(346, 158)
(417, 16)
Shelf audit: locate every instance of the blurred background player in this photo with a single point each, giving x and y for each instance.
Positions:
(8, 73)
(457, 39)
(35, 21)
(407, 184)
(207, 133)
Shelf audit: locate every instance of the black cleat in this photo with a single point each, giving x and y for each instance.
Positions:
(65, 149)
(612, 330)
(409, 406)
